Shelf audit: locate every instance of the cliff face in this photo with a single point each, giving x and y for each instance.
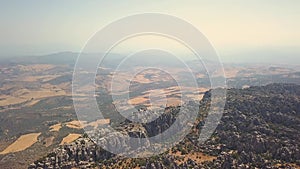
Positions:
(259, 128)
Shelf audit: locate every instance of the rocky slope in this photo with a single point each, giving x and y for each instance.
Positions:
(259, 128)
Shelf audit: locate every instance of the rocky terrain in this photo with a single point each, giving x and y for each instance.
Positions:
(259, 129)
(36, 102)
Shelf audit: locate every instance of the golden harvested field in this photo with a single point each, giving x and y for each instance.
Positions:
(141, 79)
(75, 124)
(70, 138)
(23, 95)
(81, 124)
(95, 124)
(55, 127)
(156, 76)
(171, 96)
(137, 100)
(173, 102)
(22, 143)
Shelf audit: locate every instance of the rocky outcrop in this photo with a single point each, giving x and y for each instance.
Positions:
(259, 127)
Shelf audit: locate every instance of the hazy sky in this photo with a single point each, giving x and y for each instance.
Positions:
(256, 30)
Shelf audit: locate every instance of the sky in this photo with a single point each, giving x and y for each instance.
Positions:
(240, 31)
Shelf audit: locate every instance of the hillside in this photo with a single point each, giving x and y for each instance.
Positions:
(258, 129)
